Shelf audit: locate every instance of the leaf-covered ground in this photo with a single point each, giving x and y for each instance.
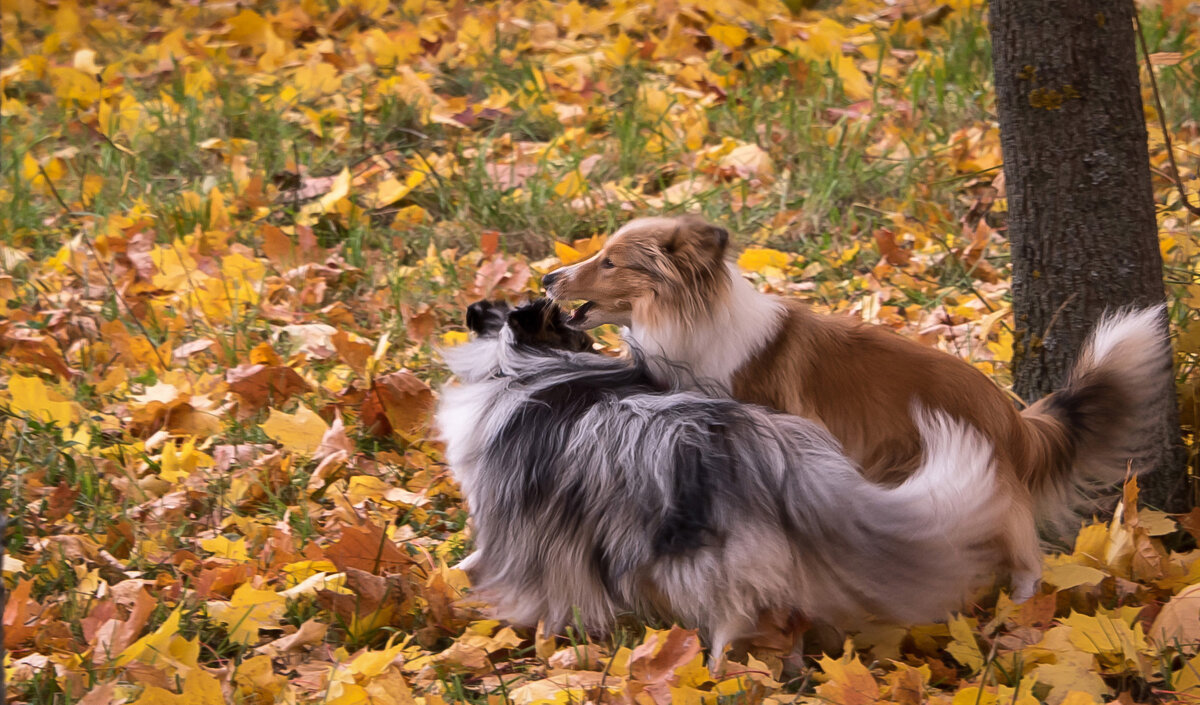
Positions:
(234, 236)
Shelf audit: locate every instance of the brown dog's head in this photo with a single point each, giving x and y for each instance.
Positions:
(675, 262)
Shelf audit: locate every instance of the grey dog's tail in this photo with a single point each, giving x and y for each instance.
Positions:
(910, 553)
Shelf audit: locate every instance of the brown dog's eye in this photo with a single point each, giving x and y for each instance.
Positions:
(607, 263)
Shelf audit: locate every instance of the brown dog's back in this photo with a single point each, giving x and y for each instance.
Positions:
(862, 381)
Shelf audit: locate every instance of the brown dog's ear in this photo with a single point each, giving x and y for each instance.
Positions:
(698, 235)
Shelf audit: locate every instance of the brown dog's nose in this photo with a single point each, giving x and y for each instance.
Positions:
(549, 279)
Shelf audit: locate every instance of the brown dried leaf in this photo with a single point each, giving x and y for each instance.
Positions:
(186, 350)
(20, 615)
(653, 662)
(489, 242)
(585, 657)
(262, 385)
(60, 502)
(510, 176)
(397, 402)
(103, 694)
(462, 656)
(1178, 623)
(419, 322)
(1191, 522)
(886, 241)
(280, 249)
(500, 272)
(335, 441)
(113, 635)
(354, 353)
(24, 345)
(309, 634)
(303, 188)
(367, 548)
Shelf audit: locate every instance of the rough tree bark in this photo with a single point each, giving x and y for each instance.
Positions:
(1080, 203)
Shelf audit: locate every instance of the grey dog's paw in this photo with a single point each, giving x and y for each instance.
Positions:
(1025, 585)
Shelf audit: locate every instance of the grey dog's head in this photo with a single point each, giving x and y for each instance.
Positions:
(539, 323)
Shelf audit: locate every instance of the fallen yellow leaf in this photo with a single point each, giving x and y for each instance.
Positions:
(757, 259)
(248, 611)
(31, 396)
(300, 432)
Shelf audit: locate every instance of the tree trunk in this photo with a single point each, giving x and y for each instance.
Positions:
(1080, 205)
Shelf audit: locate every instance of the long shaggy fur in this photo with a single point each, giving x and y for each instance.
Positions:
(590, 489)
(1093, 431)
(667, 280)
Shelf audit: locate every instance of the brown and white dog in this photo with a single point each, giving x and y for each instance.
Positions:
(667, 280)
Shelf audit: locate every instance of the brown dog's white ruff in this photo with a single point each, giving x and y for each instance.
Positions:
(668, 281)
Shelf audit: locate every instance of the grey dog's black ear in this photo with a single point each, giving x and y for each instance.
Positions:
(535, 317)
(542, 324)
(486, 317)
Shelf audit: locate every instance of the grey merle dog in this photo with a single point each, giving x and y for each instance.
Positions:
(593, 492)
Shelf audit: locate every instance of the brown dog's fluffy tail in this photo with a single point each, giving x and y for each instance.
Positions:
(1084, 436)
